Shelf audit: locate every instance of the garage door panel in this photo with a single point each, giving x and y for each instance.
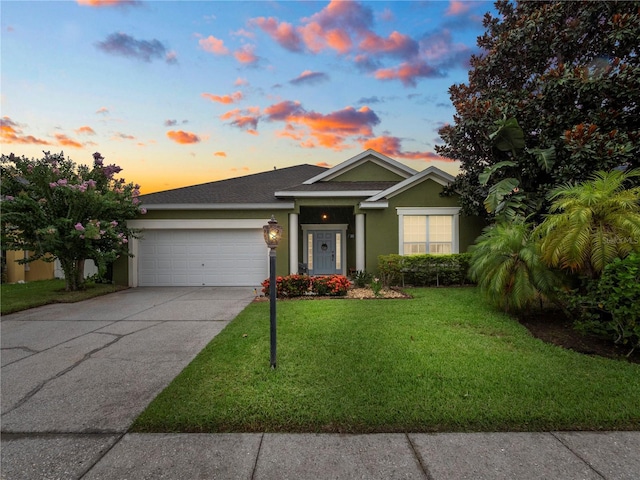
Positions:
(202, 257)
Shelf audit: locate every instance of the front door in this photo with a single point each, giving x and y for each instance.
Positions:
(324, 252)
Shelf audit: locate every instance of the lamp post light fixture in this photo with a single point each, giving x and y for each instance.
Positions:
(272, 234)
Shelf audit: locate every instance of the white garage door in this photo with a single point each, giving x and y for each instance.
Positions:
(202, 257)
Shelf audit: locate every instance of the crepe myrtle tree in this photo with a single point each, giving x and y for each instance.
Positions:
(53, 208)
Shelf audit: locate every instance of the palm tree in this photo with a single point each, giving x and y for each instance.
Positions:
(506, 265)
(591, 223)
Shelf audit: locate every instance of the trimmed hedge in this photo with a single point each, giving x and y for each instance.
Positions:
(300, 285)
(424, 270)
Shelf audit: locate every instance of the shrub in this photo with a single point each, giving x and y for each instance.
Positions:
(333, 285)
(361, 278)
(424, 270)
(611, 305)
(289, 286)
(299, 285)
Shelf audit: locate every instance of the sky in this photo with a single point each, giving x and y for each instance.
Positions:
(181, 93)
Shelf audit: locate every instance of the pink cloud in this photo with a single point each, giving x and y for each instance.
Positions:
(388, 145)
(330, 130)
(457, 7)
(85, 130)
(245, 119)
(408, 72)
(213, 45)
(396, 44)
(225, 99)
(245, 54)
(183, 137)
(282, 32)
(107, 3)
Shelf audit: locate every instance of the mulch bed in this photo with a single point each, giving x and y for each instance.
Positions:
(554, 327)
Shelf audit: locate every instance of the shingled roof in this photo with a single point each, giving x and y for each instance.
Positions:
(257, 188)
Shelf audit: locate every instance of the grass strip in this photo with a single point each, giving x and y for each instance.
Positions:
(442, 361)
(21, 296)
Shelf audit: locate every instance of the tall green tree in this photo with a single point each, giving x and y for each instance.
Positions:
(570, 73)
(592, 223)
(53, 208)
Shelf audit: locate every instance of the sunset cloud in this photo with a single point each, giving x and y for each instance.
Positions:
(85, 130)
(213, 45)
(145, 50)
(396, 44)
(220, 154)
(122, 136)
(347, 29)
(65, 141)
(312, 129)
(182, 137)
(102, 111)
(390, 146)
(439, 49)
(457, 7)
(11, 132)
(108, 3)
(245, 54)
(408, 72)
(245, 119)
(226, 99)
(310, 78)
(282, 32)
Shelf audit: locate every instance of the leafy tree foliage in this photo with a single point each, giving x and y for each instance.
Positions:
(570, 73)
(592, 223)
(53, 208)
(506, 264)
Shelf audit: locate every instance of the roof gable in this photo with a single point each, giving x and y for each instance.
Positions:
(389, 167)
(432, 173)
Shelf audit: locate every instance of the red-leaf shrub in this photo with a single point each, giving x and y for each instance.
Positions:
(299, 285)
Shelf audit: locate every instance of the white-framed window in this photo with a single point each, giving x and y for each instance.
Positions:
(428, 230)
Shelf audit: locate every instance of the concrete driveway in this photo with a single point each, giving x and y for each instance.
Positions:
(93, 366)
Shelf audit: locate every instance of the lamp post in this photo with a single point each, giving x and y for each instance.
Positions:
(272, 234)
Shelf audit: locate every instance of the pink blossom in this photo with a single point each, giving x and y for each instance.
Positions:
(9, 198)
(53, 184)
(114, 223)
(91, 183)
(143, 211)
(62, 181)
(135, 201)
(78, 226)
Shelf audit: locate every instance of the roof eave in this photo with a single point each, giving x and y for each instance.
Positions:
(221, 206)
(327, 193)
(366, 205)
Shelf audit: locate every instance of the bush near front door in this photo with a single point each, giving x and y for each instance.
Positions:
(300, 285)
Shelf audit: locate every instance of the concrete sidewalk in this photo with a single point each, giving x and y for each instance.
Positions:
(75, 376)
(522, 456)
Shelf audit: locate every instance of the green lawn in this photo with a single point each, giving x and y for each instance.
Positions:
(20, 296)
(442, 361)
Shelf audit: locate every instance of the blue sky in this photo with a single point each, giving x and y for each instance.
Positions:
(181, 93)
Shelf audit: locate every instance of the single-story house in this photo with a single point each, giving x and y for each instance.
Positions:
(336, 220)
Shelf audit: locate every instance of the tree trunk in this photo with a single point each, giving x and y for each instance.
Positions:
(73, 273)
